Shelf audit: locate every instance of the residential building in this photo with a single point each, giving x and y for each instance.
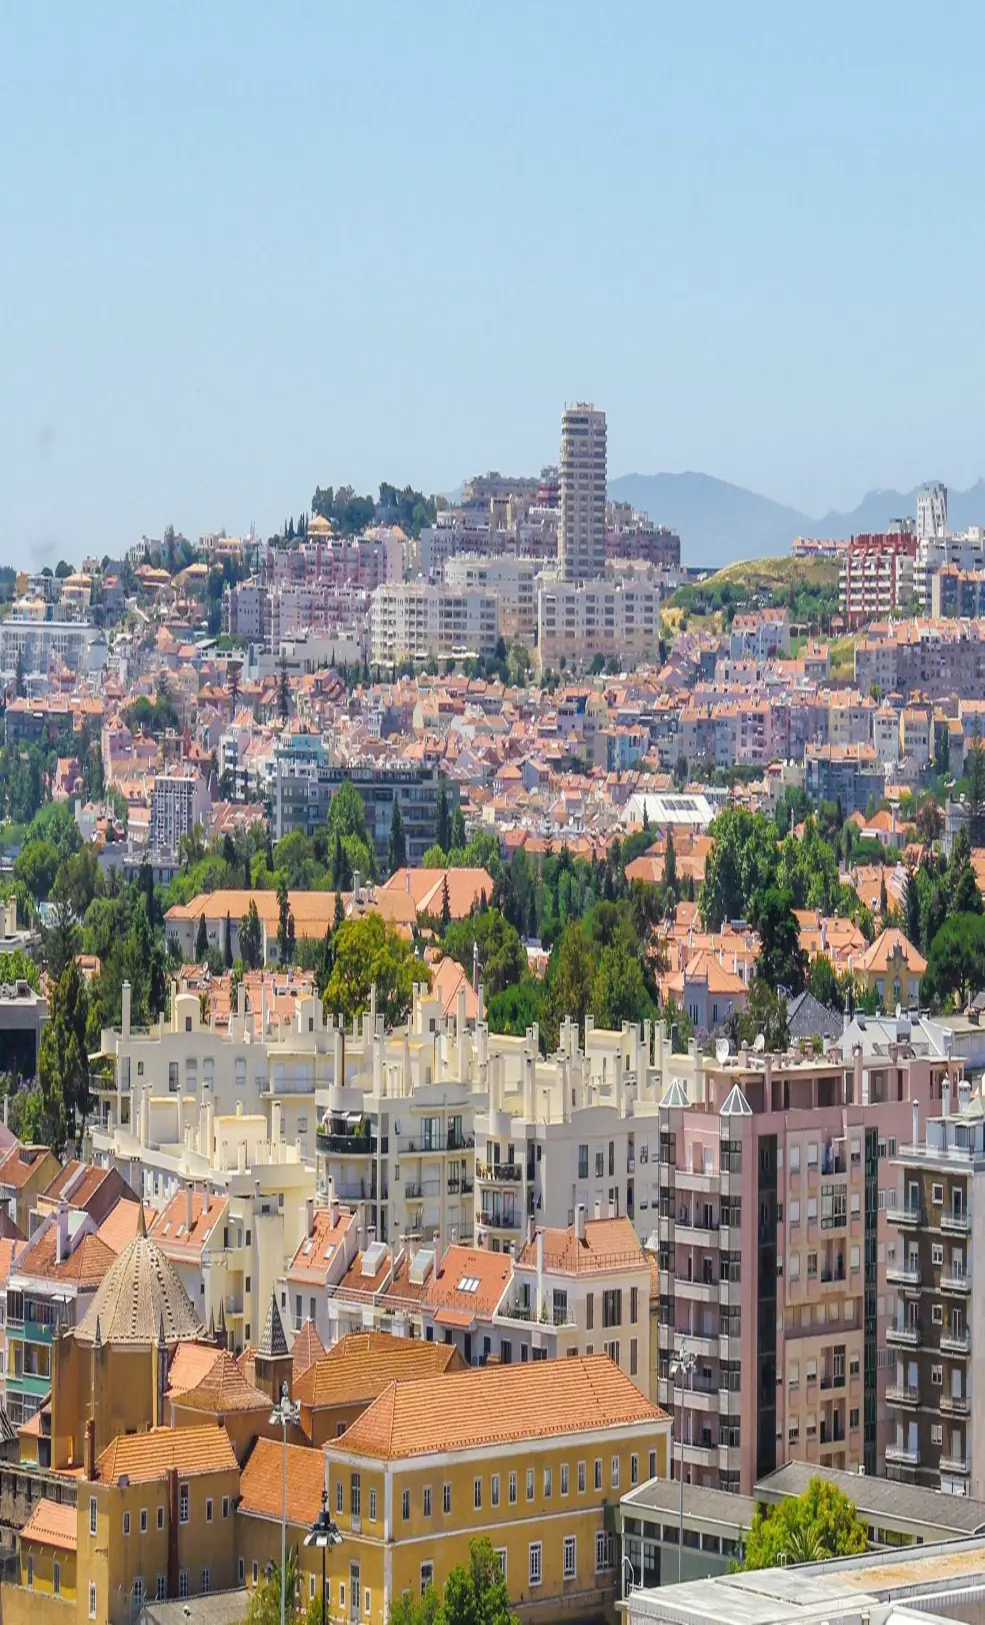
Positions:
(934, 1402)
(581, 527)
(579, 620)
(512, 581)
(894, 968)
(40, 645)
(304, 784)
(416, 620)
(932, 512)
(344, 1381)
(849, 775)
(181, 799)
(876, 576)
(25, 1172)
(760, 635)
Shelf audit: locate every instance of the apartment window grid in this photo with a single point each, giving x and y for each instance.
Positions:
(535, 1567)
(570, 1558)
(512, 1491)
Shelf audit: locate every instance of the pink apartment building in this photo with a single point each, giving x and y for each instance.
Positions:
(772, 1255)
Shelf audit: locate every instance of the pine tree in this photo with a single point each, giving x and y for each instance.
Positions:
(291, 939)
(397, 844)
(445, 905)
(670, 865)
(202, 939)
(339, 919)
(283, 916)
(442, 818)
(228, 943)
(458, 836)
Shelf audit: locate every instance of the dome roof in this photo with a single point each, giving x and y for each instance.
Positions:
(140, 1295)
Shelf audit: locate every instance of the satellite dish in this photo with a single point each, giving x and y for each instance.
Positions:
(760, 1043)
(722, 1051)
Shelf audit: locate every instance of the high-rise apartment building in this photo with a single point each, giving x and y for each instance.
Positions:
(581, 534)
(932, 512)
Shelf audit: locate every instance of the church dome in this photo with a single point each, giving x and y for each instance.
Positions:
(140, 1294)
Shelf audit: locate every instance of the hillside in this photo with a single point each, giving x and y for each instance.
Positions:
(808, 587)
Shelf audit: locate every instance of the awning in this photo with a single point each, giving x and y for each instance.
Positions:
(455, 1317)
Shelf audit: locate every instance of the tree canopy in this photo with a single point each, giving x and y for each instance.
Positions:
(805, 1528)
(369, 951)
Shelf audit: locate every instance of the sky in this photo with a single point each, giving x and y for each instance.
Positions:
(249, 249)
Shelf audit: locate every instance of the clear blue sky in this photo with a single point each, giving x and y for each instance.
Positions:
(251, 248)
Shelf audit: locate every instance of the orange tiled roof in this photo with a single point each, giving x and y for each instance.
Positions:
(886, 945)
(191, 1362)
(492, 1405)
(608, 1244)
(171, 1230)
(306, 1349)
(53, 1523)
(316, 1252)
(223, 1388)
(362, 1364)
(146, 1457)
(261, 1482)
(120, 1225)
(491, 1272)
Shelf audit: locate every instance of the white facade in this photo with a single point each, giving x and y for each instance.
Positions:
(512, 581)
(932, 511)
(580, 620)
(581, 533)
(415, 621)
(39, 643)
(180, 800)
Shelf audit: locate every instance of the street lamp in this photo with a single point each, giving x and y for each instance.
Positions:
(323, 1533)
(681, 1369)
(283, 1413)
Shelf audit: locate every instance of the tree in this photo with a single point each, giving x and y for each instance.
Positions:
(680, 771)
(963, 896)
(445, 905)
(618, 990)
(59, 1103)
(929, 821)
(442, 817)
(820, 1523)
(227, 946)
(766, 1013)
(572, 975)
(956, 961)
(291, 939)
(369, 951)
(397, 843)
(458, 836)
(670, 867)
(201, 940)
(822, 982)
(60, 936)
(475, 1593)
(911, 908)
(502, 958)
(265, 1602)
(19, 683)
(346, 823)
(251, 938)
(942, 750)
(781, 962)
(283, 692)
(974, 773)
(742, 862)
(283, 915)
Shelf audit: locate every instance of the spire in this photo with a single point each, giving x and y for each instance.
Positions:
(212, 1325)
(141, 1221)
(162, 1341)
(97, 1341)
(273, 1343)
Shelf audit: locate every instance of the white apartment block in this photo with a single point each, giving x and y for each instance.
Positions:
(512, 582)
(581, 532)
(932, 512)
(39, 644)
(181, 799)
(415, 621)
(580, 620)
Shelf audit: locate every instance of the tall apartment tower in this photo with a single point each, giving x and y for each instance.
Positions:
(581, 533)
(932, 512)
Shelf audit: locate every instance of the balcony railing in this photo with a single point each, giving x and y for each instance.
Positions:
(902, 1394)
(500, 1173)
(347, 1145)
(952, 1464)
(959, 1223)
(903, 1275)
(908, 1336)
(955, 1342)
(903, 1455)
(909, 1213)
(955, 1281)
(953, 1404)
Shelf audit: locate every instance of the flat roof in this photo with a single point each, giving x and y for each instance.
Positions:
(663, 1496)
(876, 1498)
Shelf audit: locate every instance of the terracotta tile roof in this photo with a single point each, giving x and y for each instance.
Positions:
(172, 1232)
(222, 1389)
(20, 1162)
(261, 1482)
(306, 1349)
(426, 886)
(609, 1244)
(490, 1271)
(76, 1184)
(362, 1364)
(887, 944)
(145, 1457)
(120, 1226)
(8, 1246)
(191, 1363)
(316, 1252)
(490, 1405)
(354, 1279)
(53, 1523)
(86, 1265)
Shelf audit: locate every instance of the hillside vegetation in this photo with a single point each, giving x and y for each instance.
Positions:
(808, 588)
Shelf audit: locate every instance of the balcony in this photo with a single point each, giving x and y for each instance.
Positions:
(497, 1220)
(907, 1337)
(903, 1275)
(499, 1173)
(696, 1235)
(902, 1394)
(957, 1224)
(902, 1455)
(951, 1464)
(911, 1213)
(347, 1145)
(953, 1404)
(696, 1291)
(460, 1142)
(957, 1281)
(955, 1342)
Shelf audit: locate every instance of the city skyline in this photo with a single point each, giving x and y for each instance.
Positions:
(234, 283)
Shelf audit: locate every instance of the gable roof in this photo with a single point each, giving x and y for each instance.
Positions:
(306, 1349)
(146, 1457)
(489, 1271)
(222, 1389)
(53, 1523)
(362, 1364)
(476, 1408)
(261, 1482)
(608, 1244)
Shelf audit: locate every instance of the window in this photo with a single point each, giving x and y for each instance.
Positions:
(535, 1572)
(937, 1195)
(126, 1523)
(612, 1350)
(92, 1600)
(143, 1520)
(405, 1505)
(56, 1580)
(564, 1478)
(615, 1472)
(446, 1498)
(590, 1311)
(500, 1552)
(569, 1557)
(208, 1509)
(634, 1304)
(311, 1585)
(937, 1375)
(937, 1253)
(183, 1504)
(340, 1495)
(92, 1514)
(427, 1577)
(634, 1354)
(652, 1464)
(182, 1582)
(583, 1162)
(512, 1491)
(581, 1478)
(367, 1600)
(225, 1506)
(853, 1417)
(600, 1164)
(598, 1472)
(355, 1495)
(256, 1572)
(372, 1506)
(612, 1307)
(240, 1575)
(604, 1551)
(937, 1314)
(494, 1490)
(477, 1493)
(634, 1469)
(427, 1500)
(548, 1482)
(530, 1483)
(206, 1579)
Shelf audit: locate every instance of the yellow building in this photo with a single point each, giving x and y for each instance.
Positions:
(48, 1545)
(339, 1385)
(258, 1511)
(894, 968)
(533, 1456)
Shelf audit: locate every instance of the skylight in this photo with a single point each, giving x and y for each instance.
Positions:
(468, 1283)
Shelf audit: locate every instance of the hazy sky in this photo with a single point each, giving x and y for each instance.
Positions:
(247, 249)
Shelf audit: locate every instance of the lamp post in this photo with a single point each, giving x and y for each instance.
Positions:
(283, 1413)
(323, 1533)
(681, 1370)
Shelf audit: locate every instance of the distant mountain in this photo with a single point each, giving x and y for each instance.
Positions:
(719, 523)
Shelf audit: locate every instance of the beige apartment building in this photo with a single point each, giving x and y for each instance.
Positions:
(619, 620)
(418, 621)
(581, 530)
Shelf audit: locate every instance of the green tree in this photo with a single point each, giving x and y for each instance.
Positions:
(670, 866)
(445, 905)
(822, 982)
(502, 958)
(820, 1523)
(442, 817)
(201, 939)
(458, 837)
(60, 936)
(956, 961)
(765, 1013)
(251, 938)
(974, 773)
(227, 946)
(58, 1105)
(347, 821)
(19, 684)
(618, 990)
(742, 862)
(680, 771)
(782, 962)
(963, 896)
(942, 750)
(283, 692)
(397, 843)
(475, 1593)
(911, 908)
(283, 915)
(37, 865)
(572, 976)
(369, 951)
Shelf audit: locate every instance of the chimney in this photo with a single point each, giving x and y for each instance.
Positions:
(241, 1000)
(12, 917)
(916, 1122)
(309, 1216)
(188, 1204)
(89, 1450)
(61, 1233)
(334, 1212)
(356, 886)
(580, 1222)
(945, 1097)
(125, 1022)
(540, 1273)
(408, 880)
